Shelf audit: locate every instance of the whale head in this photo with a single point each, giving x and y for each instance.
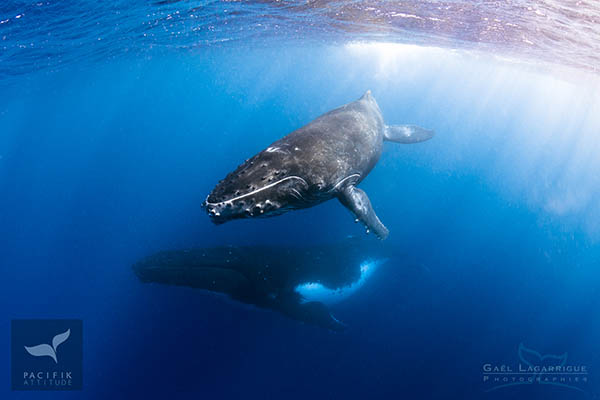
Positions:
(261, 187)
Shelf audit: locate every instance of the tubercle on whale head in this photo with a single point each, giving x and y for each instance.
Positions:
(221, 212)
(258, 205)
(260, 187)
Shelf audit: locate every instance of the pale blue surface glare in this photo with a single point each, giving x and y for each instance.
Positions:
(118, 118)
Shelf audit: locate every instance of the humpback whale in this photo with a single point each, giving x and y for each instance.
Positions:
(323, 160)
(299, 282)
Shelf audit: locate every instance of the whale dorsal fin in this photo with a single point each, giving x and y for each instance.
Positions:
(406, 134)
(366, 96)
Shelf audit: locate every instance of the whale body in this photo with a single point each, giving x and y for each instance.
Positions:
(323, 160)
(299, 282)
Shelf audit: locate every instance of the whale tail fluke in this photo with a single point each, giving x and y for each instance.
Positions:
(407, 134)
(313, 313)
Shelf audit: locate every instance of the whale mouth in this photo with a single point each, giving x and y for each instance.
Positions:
(269, 200)
(222, 212)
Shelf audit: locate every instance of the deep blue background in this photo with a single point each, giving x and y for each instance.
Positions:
(497, 217)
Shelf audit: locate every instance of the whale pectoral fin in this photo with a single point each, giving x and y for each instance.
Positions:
(358, 202)
(406, 134)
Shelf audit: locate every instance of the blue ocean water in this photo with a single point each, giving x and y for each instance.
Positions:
(118, 119)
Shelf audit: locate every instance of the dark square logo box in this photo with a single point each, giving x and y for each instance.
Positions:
(47, 354)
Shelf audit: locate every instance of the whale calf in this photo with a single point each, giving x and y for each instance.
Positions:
(299, 282)
(323, 160)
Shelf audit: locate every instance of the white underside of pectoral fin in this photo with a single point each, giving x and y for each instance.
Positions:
(407, 134)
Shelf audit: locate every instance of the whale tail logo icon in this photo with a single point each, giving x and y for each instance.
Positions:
(47, 350)
(532, 358)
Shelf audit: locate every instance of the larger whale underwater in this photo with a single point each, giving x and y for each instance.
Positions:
(322, 160)
(301, 282)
